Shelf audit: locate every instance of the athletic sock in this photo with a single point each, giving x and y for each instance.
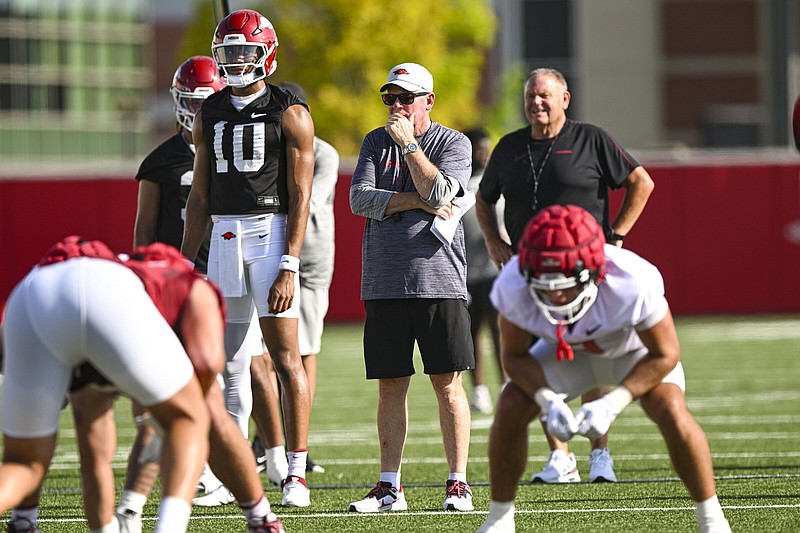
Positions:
(391, 477)
(500, 511)
(131, 500)
(457, 476)
(173, 515)
(256, 509)
(111, 527)
(297, 462)
(710, 518)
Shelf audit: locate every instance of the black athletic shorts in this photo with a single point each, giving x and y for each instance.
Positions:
(480, 305)
(441, 328)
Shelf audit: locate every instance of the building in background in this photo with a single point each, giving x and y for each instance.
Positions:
(659, 73)
(87, 80)
(76, 78)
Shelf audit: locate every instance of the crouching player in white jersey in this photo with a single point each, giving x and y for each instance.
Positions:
(602, 319)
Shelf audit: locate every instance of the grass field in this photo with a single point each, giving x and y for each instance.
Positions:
(743, 381)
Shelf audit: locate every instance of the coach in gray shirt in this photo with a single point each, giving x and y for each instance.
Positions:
(413, 286)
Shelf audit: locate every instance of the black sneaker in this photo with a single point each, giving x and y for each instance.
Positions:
(313, 466)
(260, 454)
(22, 525)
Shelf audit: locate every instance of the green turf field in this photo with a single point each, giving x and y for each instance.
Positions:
(743, 380)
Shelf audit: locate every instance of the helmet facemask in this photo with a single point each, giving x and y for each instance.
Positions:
(562, 249)
(188, 103)
(242, 62)
(195, 80)
(569, 312)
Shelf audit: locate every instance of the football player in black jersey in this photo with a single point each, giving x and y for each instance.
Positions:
(252, 179)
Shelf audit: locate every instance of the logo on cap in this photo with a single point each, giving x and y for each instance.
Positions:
(400, 72)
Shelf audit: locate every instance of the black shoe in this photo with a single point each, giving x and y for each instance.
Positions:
(258, 447)
(312, 466)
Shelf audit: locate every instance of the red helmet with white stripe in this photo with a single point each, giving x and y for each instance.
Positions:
(244, 47)
(194, 81)
(562, 248)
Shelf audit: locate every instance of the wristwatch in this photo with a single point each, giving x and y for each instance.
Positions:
(410, 148)
(613, 236)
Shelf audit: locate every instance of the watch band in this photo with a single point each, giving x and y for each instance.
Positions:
(612, 235)
(409, 148)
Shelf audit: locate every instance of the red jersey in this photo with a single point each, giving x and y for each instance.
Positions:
(167, 278)
(166, 274)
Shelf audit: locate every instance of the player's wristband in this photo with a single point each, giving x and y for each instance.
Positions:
(619, 398)
(613, 236)
(290, 263)
(544, 396)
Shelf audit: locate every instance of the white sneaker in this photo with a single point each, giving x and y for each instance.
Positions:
(383, 497)
(208, 482)
(219, 496)
(296, 492)
(458, 496)
(560, 468)
(601, 467)
(502, 525)
(129, 521)
(481, 400)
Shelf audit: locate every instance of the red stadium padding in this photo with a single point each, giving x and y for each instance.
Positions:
(725, 237)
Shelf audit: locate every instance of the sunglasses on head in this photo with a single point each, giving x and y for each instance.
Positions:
(405, 98)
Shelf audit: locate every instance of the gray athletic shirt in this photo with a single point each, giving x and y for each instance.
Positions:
(400, 257)
(317, 254)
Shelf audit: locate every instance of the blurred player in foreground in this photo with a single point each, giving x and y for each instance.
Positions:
(167, 278)
(80, 304)
(601, 317)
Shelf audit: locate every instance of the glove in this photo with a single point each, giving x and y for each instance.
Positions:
(595, 418)
(561, 423)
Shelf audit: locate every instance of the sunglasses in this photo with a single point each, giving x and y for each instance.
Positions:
(405, 98)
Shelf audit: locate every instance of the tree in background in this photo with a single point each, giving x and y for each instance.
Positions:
(341, 50)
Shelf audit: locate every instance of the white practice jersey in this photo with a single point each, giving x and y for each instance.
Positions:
(631, 298)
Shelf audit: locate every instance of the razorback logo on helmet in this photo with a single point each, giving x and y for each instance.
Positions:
(550, 262)
(228, 235)
(400, 72)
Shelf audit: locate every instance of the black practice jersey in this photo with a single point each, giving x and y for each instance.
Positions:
(578, 167)
(170, 166)
(248, 153)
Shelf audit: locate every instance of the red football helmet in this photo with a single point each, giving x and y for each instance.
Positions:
(244, 47)
(194, 81)
(75, 246)
(562, 248)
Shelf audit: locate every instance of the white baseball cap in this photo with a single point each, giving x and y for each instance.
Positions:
(411, 77)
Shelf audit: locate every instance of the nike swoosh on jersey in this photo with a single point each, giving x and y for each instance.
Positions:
(591, 330)
(257, 115)
(262, 236)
